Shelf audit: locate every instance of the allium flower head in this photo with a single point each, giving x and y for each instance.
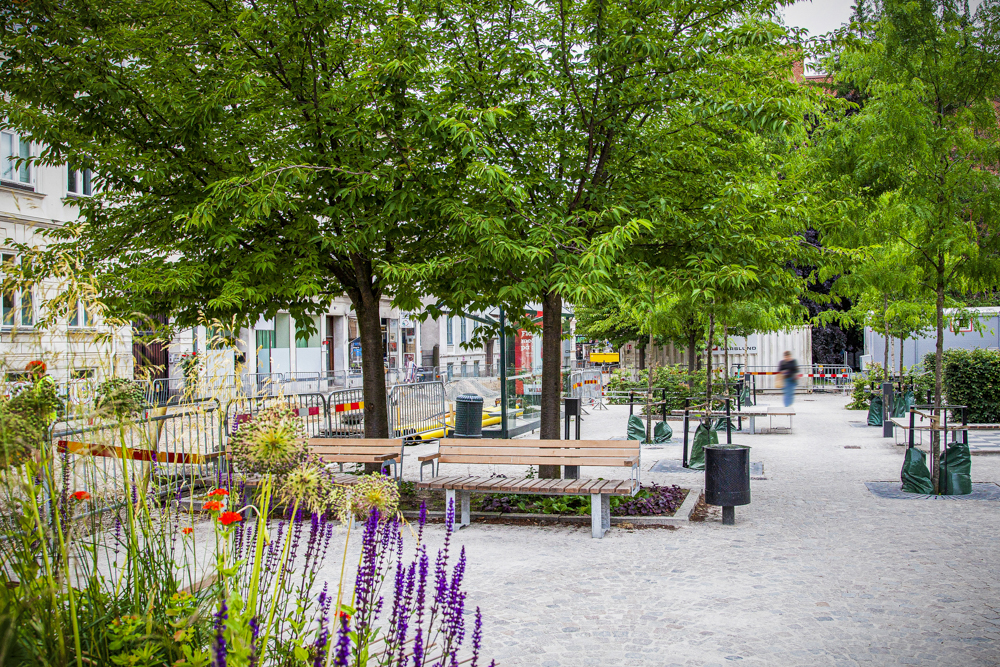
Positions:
(274, 442)
(310, 484)
(373, 491)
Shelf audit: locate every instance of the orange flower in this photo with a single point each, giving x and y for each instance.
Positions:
(212, 506)
(81, 495)
(227, 518)
(187, 531)
(218, 492)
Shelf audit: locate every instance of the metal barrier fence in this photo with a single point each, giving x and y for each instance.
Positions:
(181, 390)
(311, 409)
(416, 408)
(176, 447)
(586, 385)
(818, 377)
(346, 413)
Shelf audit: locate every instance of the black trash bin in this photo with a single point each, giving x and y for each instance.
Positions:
(727, 478)
(469, 416)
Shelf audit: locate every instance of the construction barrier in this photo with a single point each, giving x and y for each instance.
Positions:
(175, 447)
(586, 385)
(817, 377)
(311, 409)
(416, 409)
(346, 414)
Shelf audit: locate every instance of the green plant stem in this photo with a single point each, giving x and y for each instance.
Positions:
(277, 585)
(265, 501)
(45, 559)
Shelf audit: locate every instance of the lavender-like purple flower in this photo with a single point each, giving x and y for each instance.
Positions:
(320, 645)
(220, 634)
(254, 636)
(477, 637)
(343, 653)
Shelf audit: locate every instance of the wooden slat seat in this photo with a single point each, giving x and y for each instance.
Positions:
(385, 451)
(601, 453)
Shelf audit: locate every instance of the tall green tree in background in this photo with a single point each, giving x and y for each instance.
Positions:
(924, 148)
(251, 157)
(608, 102)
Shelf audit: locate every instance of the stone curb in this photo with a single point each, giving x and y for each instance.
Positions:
(681, 517)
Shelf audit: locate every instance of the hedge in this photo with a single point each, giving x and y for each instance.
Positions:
(972, 378)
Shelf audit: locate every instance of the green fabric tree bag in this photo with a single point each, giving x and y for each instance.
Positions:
(915, 476)
(703, 435)
(956, 471)
(745, 394)
(875, 411)
(637, 431)
(662, 432)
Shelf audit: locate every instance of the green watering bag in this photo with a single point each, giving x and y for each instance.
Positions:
(704, 435)
(956, 471)
(915, 476)
(875, 411)
(637, 431)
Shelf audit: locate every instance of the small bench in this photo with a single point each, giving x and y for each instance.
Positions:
(384, 451)
(574, 453)
(749, 414)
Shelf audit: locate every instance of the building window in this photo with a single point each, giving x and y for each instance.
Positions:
(78, 182)
(451, 370)
(475, 369)
(464, 339)
(82, 374)
(465, 368)
(79, 315)
(447, 328)
(306, 340)
(12, 149)
(17, 305)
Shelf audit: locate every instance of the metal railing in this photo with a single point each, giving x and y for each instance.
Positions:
(311, 409)
(174, 447)
(346, 413)
(417, 408)
(818, 377)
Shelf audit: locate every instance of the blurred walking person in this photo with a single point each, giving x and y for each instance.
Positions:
(788, 371)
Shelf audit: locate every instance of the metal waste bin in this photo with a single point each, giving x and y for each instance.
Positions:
(727, 478)
(469, 416)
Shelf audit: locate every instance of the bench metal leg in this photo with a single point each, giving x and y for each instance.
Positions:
(463, 508)
(753, 426)
(600, 514)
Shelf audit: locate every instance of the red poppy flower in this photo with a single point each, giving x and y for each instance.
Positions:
(219, 492)
(213, 506)
(227, 518)
(81, 495)
(344, 615)
(187, 531)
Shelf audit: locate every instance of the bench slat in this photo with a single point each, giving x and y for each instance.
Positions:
(486, 459)
(546, 444)
(358, 458)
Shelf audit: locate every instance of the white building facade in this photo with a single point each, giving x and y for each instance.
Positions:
(75, 344)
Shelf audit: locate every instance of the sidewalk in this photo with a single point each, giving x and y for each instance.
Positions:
(817, 570)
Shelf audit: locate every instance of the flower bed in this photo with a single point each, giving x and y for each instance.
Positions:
(653, 500)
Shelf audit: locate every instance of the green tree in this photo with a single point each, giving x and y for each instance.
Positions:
(615, 111)
(923, 150)
(251, 157)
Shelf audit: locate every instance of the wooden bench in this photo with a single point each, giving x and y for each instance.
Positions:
(574, 453)
(384, 451)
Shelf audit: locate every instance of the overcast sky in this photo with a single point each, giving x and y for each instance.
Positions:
(818, 16)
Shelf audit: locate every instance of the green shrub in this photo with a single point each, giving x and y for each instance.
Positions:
(864, 385)
(672, 378)
(971, 378)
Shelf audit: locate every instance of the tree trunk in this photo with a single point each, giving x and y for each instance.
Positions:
(938, 373)
(886, 368)
(649, 380)
(708, 362)
(901, 339)
(551, 375)
(692, 355)
(725, 355)
(366, 304)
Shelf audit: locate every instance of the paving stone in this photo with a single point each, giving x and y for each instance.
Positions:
(902, 582)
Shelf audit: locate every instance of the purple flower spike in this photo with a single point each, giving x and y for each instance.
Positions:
(220, 634)
(477, 637)
(343, 644)
(254, 635)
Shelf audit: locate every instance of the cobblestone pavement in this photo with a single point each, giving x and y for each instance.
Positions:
(817, 570)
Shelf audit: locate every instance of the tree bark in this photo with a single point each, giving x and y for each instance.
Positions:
(886, 369)
(938, 373)
(692, 355)
(725, 355)
(901, 339)
(649, 381)
(365, 300)
(708, 362)
(551, 375)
